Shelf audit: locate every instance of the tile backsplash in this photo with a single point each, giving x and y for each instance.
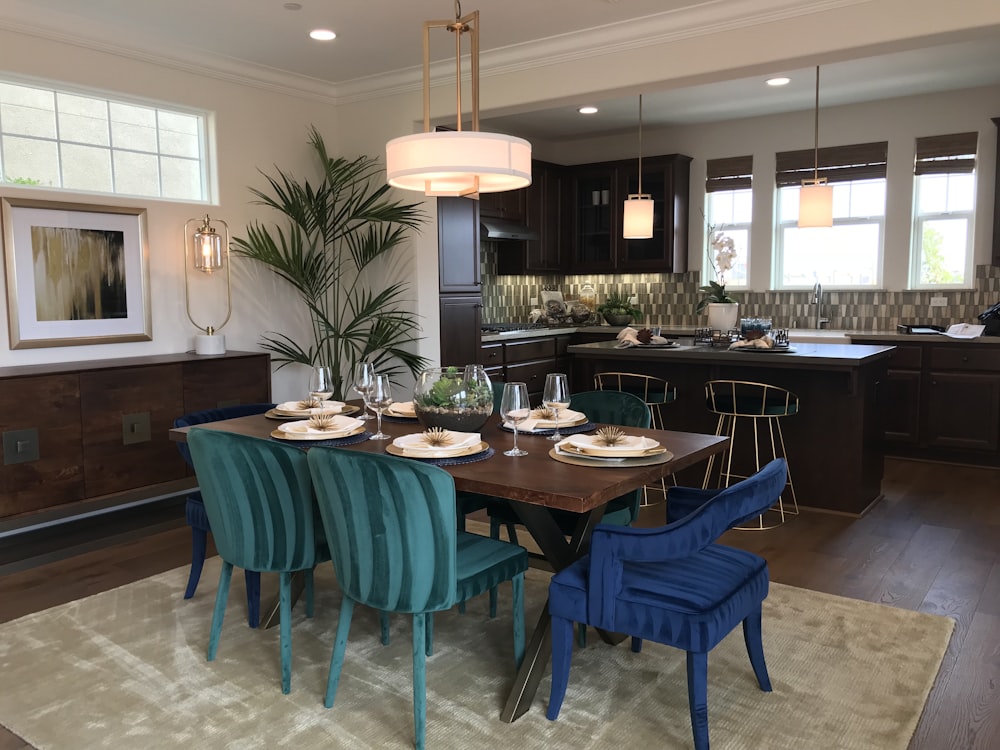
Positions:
(670, 299)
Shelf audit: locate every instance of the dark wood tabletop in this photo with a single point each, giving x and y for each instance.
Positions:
(536, 478)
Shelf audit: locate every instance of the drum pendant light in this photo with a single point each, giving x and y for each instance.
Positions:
(637, 217)
(815, 196)
(457, 162)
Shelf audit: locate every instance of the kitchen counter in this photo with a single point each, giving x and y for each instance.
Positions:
(834, 443)
(804, 335)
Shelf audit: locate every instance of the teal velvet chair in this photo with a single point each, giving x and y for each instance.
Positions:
(259, 500)
(673, 585)
(396, 547)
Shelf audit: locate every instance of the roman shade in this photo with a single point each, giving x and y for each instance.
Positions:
(732, 173)
(946, 154)
(861, 161)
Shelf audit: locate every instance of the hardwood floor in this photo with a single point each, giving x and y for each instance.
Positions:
(933, 545)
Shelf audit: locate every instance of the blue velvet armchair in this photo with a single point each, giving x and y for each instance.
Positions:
(673, 585)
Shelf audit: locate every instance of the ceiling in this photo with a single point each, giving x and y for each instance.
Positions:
(261, 37)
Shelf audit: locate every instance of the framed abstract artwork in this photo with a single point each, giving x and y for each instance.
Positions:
(76, 274)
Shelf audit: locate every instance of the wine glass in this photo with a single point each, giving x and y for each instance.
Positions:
(556, 397)
(377, 398)
(364, 376)
(515, 408)
(321, 384)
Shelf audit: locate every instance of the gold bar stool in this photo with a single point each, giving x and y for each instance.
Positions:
(656, 393)
(736, 400)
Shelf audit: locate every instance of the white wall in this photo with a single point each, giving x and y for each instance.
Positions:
(255, 128)
(898, 121)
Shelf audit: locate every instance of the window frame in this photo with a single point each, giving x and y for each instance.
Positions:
(205, 159)
(728, 176)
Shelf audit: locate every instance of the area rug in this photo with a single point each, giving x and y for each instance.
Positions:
(126, 669)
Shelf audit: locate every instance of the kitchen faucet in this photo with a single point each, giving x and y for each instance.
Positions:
(818, 301)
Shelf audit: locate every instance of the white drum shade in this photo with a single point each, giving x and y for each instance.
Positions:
(448, 162)
(816, 206)
(637, 218)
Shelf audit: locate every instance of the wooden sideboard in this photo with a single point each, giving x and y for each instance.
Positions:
(79, 436)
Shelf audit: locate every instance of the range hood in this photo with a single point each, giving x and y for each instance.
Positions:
(499, 229)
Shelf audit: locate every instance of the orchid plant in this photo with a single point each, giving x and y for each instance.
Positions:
(724, 250)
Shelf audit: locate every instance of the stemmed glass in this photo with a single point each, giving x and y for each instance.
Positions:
(515, 408)
(378, 397)
(321, 384)
(556, 397)
(364, 376)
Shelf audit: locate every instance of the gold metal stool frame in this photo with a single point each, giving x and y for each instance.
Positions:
(731, 399)
(648, 388)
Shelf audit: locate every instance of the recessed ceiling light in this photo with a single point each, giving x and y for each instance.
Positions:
(292, 6)
(779, 81)
(587, 110)
(322, 35)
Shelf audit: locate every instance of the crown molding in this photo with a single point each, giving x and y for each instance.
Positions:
(702, 20)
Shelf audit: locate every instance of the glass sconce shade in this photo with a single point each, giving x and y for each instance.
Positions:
(637, 219)
(207, 249)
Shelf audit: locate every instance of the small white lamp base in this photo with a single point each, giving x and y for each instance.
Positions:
(215, 344)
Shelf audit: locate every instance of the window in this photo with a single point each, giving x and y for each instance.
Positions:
(944, 189)
(848, 254)
(71, 141)
(729, 208)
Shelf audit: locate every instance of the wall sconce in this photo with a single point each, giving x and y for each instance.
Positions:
(457, 162)
(637, 217)
(207, 251)
(815, 196)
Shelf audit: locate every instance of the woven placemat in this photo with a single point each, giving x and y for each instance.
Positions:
(400, 420)
(574, 430)
(481, 456)
(335, 443)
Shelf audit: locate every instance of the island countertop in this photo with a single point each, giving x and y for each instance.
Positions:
(798, 356)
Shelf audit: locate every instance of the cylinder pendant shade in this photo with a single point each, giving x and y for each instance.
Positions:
(637, 219)
(449, 162)
(207, 250)
(816, 206)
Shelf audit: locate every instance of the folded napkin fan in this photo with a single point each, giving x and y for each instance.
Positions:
(764, 342)
(402, 408)
(416, 446)
(566, 418)
(328, 407)
(630, 337)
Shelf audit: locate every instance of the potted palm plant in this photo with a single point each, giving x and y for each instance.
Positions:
(337, 229)
(618, 309)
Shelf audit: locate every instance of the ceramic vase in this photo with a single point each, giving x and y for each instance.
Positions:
(723, 316)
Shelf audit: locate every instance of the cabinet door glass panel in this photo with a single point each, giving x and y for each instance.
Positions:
(594, 219)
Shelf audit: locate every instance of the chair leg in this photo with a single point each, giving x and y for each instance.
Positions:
(697, 679)
(562, 652)
(581, 635)
(383, 621)
(199, 541)
(285, 627)
(310, 593)
(419, 680)
(755, 649)
(252, 579)
(429, 635)
(517, 584)
(221, 597)
(636, 645)
(339, 647)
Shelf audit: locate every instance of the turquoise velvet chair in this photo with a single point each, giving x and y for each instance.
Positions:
(194, 508)
(259, 500)
(673, 585)
(396, 547)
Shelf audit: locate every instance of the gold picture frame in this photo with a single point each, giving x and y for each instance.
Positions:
(77, 274)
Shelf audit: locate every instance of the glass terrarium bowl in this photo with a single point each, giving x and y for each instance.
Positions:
(453, 398)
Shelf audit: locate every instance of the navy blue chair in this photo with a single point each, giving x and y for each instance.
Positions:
(672, 585)
(194, 508)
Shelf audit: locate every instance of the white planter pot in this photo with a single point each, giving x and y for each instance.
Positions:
(723, 316)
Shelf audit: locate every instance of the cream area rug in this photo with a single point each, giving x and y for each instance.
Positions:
(126, 669)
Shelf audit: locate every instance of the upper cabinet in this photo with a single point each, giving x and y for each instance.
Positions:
(544, 213)
(458, 246)
(596, 194)
(508, 205)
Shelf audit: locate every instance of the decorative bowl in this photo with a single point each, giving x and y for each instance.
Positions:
(453, 398)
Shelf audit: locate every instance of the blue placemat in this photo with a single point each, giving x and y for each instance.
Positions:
(334, 443)
(574, 430)
(400, 420)
(482, 456)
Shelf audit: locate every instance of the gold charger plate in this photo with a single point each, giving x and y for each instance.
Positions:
(584, 460)
(333, 436)
(467, 451)
(275, 414)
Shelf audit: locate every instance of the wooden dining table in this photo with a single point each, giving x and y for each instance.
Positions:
(536, 483)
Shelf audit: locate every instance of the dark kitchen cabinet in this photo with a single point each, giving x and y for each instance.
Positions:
(508, 205)
(461, 321)
(458, 246)
(596, 196)
(996, 199)
(544, 213)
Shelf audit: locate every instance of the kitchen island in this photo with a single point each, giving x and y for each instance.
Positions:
(834, 444)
